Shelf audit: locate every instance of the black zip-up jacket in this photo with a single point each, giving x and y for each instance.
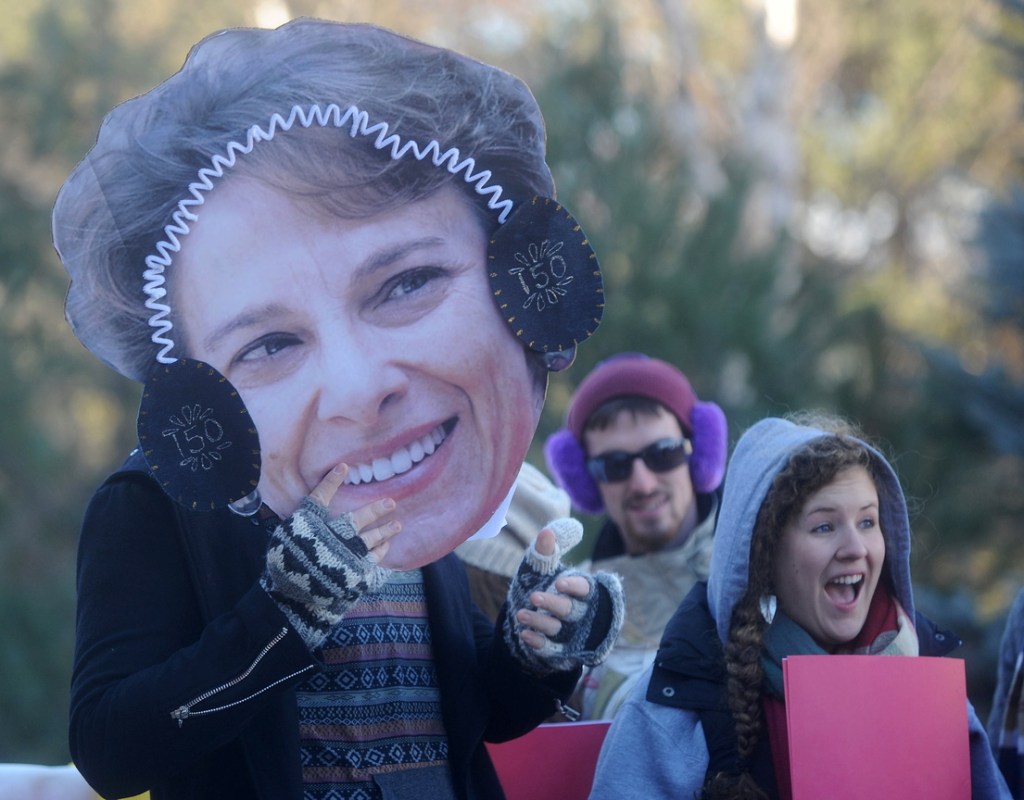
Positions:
(185, 669)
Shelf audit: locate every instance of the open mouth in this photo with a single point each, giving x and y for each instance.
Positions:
(403, 459)
(845, 589)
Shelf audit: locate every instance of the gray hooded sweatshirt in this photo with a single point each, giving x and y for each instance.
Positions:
(659, 751)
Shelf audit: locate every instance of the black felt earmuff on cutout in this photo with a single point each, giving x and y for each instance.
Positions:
(197, 436)
(545, 277)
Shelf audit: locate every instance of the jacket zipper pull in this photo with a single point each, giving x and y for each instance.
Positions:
(567, 711)
(180, 714)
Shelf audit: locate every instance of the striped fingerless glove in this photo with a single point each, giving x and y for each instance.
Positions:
(316, 570)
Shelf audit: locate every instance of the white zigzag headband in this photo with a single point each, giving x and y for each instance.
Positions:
(331, 115)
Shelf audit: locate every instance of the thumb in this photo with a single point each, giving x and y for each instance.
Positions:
(554, 541)
(545, 544)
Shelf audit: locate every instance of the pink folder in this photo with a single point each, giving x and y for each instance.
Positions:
(554, 761)
(877, 726)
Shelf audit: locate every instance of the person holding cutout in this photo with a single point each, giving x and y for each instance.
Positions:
(308, 245)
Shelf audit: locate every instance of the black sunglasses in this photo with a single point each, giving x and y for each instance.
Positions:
(660, 456)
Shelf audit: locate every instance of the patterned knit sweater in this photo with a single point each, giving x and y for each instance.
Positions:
(371, 715)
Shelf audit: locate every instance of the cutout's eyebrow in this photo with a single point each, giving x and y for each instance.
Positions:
(248, 318)
(379, 260)
(388, 255)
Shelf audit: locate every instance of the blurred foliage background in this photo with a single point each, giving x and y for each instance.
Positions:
(802, 205)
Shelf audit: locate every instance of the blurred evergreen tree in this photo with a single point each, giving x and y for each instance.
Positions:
(759, 328)
(983, 402)
(57, 408)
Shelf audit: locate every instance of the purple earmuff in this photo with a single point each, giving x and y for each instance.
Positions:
(568, 463)
(710, 447)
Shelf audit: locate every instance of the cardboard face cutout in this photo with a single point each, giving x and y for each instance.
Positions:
(329, 243)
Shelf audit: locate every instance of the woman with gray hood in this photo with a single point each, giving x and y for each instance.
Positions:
(811, 556)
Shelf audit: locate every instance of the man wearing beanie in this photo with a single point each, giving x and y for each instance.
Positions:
(640, 447)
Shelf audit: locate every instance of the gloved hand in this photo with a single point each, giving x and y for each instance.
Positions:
(577, 626)
(317, 568)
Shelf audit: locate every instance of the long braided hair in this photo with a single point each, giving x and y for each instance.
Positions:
(812, 467)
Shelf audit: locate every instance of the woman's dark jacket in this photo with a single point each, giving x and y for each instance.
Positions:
(185, 669)
(690, 673)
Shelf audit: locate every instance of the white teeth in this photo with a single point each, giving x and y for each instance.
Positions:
(382, 469)
(400, 461)
(849, 580)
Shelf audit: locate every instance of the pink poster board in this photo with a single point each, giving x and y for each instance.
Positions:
(554, 761)
(877, 726)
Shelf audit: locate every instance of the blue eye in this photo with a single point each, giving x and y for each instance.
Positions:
(267, 346)
(410, 282)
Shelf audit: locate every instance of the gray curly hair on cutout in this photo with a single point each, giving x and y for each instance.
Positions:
(115, 206)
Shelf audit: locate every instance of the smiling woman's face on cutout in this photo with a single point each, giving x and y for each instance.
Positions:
(374, 342)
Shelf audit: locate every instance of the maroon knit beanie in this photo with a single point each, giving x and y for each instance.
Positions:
(632, 374)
